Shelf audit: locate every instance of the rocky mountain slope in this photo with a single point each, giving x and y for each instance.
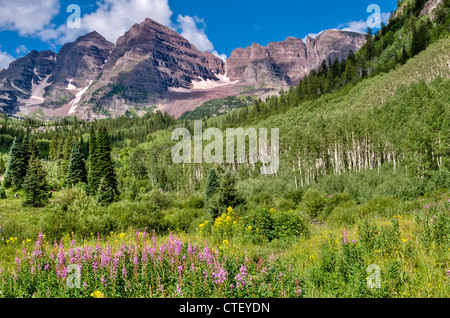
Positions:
(293, 57)
(152, 65)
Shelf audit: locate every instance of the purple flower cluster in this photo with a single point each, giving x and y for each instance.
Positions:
(240, 278)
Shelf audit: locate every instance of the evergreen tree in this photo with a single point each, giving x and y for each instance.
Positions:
(33, 149)
(212, 184)
(35, 185)
(93, 172)
(105, 193)
(350, 71)
(228, 195)
(53, 148)
(67, 149)
(76, 170)
(17, 165)
(13, 153)
(420, 39)
(403, 56)
(369, 45)
(104, 164)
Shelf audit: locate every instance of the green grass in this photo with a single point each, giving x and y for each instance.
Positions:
(411, 251)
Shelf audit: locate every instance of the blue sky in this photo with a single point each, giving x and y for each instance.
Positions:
(215, 26)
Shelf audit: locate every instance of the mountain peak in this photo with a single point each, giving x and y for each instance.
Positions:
(293, 56)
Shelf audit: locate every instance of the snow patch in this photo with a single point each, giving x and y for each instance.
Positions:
(70, 86)
(37, 92)
(209, 84)
(179, 90)
(74, 103)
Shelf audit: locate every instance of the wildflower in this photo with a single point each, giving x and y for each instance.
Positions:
(179, 292)
(345, 237)
(97, 294)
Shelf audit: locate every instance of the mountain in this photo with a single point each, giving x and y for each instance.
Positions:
(25, 80)
(147, 62)
(152, 66)
(293, 57)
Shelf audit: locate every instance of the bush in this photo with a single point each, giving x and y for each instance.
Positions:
(313, 202)
(345, 213)
(266, 226)
(332, 202)
(183, 219)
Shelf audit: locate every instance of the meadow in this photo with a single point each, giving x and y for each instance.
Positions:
(239, 257)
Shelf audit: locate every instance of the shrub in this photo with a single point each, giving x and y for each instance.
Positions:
(345, 213)
(313, 202)
(266, 226)
(332, 202)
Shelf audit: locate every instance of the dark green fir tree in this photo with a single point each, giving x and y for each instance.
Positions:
(76, 170)
(36, 189)
(212, 184)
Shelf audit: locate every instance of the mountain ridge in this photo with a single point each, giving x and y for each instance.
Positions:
(152, 65)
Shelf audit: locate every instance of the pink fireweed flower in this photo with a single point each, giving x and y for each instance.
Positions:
(179, 292)
(61, 258)
(103, 281)
(219, 275)
(124, 272)
(345, 237)
(39, 240)
(240, 278)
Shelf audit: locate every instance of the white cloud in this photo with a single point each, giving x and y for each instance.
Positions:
(27, 17)
(114, 17)
(354, 26)
(311, 35)
(5, 59)
(21, 50)
(361, 25)
(189, 27)
(111, 18)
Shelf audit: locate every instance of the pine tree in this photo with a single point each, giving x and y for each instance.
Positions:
(350, 71)
(33, 149)
(105, 193)
(67, 149)
(228, 195)
(53, 148)
(35, 185)
(93, 172)
(76, 170)
(370, 45)
(13, 153)
(212, 184)
(104, 164)
(17, 165)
